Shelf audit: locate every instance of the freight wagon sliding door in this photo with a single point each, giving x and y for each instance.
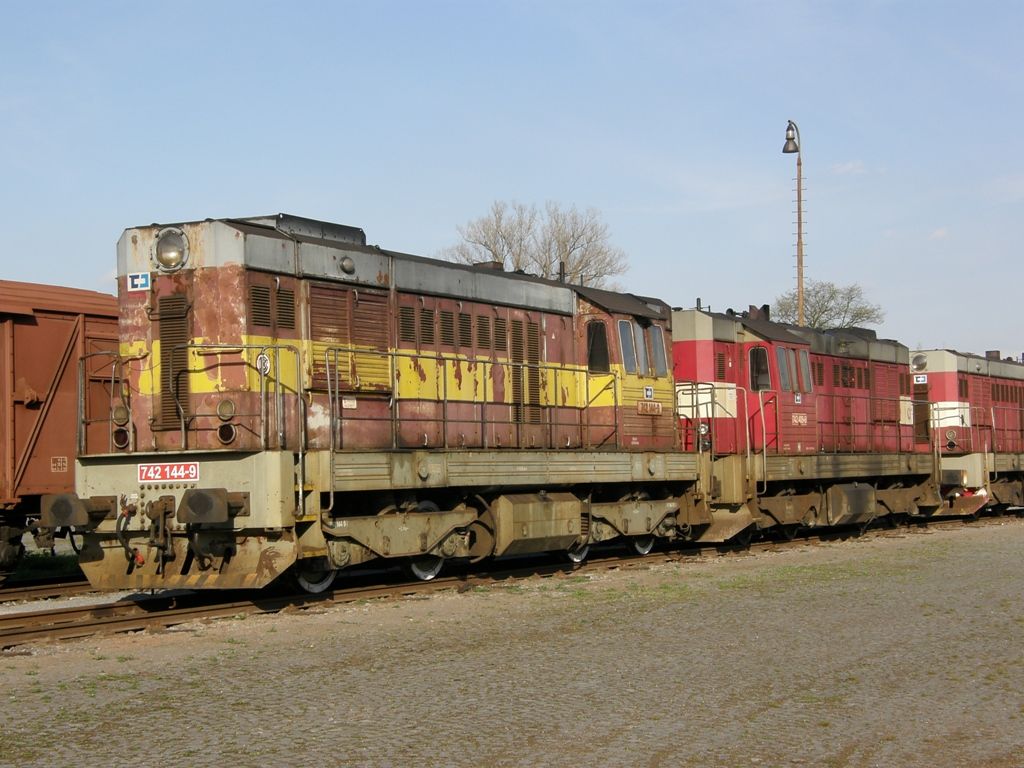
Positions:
(41, 353)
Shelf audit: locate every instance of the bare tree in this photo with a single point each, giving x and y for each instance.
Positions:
(827, 305)
(537, 242)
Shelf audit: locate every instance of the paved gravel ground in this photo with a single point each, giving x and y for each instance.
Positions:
(893, 651)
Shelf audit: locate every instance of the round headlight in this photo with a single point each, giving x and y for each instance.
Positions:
(171, 249)
(919, 362)
(120, 414)
(703, 429)
(225, 410)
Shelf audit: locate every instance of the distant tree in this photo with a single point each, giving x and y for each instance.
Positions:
(827, 305)
(536, 241)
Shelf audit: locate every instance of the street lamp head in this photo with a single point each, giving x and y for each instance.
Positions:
(792, 139)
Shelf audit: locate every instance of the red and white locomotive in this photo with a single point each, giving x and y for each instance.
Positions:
(975, 422)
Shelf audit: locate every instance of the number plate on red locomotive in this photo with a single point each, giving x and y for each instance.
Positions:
(179, 471)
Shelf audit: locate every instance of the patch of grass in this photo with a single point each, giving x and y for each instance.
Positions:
(38, 565)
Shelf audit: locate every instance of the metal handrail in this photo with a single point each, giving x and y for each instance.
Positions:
(522, 371)
(262, 349)
(83, 420)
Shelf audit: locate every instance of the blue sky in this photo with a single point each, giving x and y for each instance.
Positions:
(410, 118)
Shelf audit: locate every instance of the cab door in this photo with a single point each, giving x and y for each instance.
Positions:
(763, 404)
(646, 387)
(599, 392)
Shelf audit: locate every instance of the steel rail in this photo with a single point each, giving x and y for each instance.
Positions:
(163, 611)
(44, 590)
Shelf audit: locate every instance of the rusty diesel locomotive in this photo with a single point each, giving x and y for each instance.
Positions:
(54, 342)
(289, 399)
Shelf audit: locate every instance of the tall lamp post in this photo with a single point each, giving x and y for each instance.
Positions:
(793, 145)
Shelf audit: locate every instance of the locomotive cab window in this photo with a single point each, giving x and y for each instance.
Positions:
(759, 376)
(785, 379)
(805, 371)
(626, 342)
(597, 348)
(643, 349)
(657, 339)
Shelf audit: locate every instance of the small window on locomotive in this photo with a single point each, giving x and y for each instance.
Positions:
(657, 336)
(626, 342)
(642, 365)
(759, 376)
(597, 348)
(805, 370)
(793, 371)
(785, 383)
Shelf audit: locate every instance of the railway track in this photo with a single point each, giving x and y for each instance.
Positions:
(160, 612)
(44, 590)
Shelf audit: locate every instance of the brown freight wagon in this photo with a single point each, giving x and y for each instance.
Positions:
(53, 341)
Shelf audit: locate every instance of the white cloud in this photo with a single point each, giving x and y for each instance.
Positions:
(939, 234)
(1006, 190)
(849, 168)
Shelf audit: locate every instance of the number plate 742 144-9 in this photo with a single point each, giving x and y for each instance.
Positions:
(169, 472)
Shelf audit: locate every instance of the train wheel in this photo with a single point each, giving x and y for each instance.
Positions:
(314, 581)
(789, 532)
(578, 554)
(426, 567)
(642, 545)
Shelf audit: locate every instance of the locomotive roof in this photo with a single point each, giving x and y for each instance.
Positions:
(17, 298)
(856, 343)
(969, 362)
(323, 246)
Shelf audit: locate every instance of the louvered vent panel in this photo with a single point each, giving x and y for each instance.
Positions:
(465, 330)
(500, 334)
(426, 327)
(720, 366)
(286, 309)
(174, 380)
(370, 364)
(447, 328)
(407, 325)
(885, 402)
(483, 332)
(354, 323)
(328, 328)
(518, 355)
(259, 305)
(533, 372)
